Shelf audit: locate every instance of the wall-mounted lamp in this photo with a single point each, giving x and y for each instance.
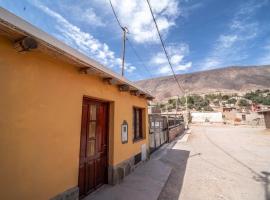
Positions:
(83, 70)
(26, 44)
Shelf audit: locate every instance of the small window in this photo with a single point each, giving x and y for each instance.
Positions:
(137, 123)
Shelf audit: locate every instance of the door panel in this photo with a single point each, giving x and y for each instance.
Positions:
(81, 183)
(91, 145)
(100, 171)
(90, 176)
(93, 149)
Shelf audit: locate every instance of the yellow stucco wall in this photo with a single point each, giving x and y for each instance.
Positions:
(40, 123)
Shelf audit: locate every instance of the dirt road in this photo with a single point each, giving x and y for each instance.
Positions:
(220, 163)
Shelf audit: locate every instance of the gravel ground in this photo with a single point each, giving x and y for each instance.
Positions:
(219, 162)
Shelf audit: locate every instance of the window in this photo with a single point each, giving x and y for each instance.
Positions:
(137, 123)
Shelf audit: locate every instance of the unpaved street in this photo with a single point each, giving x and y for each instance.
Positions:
(219, 163)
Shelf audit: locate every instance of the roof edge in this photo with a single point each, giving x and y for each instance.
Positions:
(25, 27)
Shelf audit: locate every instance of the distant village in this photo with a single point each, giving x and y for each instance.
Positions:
(218, 107)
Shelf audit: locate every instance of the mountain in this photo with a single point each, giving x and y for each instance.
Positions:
(225, 80)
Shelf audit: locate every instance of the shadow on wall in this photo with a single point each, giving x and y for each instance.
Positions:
(177, 159)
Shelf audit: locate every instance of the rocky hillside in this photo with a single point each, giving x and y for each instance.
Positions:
(224, 80)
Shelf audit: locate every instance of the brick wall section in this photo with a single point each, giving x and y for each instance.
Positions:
(176, 131)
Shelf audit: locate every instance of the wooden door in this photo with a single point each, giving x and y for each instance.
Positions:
(93, 146)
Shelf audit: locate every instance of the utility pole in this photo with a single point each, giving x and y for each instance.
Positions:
(186, 101)
(125, 31)
(187, 113)
(176, 105)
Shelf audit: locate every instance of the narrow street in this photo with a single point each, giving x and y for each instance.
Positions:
(218, 162)
(222, 163)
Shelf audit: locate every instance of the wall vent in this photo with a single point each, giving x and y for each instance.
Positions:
(137, 158)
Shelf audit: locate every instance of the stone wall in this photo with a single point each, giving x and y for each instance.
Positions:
(71, 194)
(117, 173)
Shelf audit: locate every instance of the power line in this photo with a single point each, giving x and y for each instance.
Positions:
(114, 13)
(139, 58)
(129, 42)
(163, 46)
(125, 30)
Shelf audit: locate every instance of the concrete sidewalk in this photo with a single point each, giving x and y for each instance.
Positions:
(148, 180)
(145, 183)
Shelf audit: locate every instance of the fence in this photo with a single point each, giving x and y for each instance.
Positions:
(163, 129)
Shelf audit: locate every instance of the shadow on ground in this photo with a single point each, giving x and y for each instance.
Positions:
(264, 177)
(177, 159)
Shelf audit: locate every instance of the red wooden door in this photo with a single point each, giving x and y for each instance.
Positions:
(93, 147)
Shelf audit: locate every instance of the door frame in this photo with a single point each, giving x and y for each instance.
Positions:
(107, 128)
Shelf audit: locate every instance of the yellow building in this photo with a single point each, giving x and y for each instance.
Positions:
(67, 124)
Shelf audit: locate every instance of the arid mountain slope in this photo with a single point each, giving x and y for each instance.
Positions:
(225, 80)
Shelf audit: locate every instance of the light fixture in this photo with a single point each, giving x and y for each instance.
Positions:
(26, 44)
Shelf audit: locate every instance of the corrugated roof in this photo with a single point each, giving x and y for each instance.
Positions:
(16, 28)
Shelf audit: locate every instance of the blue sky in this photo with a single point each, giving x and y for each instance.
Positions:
(199, 34)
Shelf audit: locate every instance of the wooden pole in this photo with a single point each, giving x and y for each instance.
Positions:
(124, 49)
(187, 113)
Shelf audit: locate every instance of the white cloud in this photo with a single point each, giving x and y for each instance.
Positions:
(159, 58)
(129, 68)
(89, 16)
(135, 15)
(264, 59)
(226, 41)
(166, 69)
(81, 11)
(211, 62)
(230, 47)
(83, 41)
(175, 59)
(177, 54)
(190, 8)
(182, 67)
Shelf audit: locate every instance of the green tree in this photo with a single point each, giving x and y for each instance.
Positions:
(231, 101)
(259, 97)
(225, 97)
(216, 102)
(208, 108)
(197, 102)
(243, 103)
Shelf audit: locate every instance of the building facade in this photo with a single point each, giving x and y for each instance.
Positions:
(266, 114)
(68, 124)
(201, 117)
